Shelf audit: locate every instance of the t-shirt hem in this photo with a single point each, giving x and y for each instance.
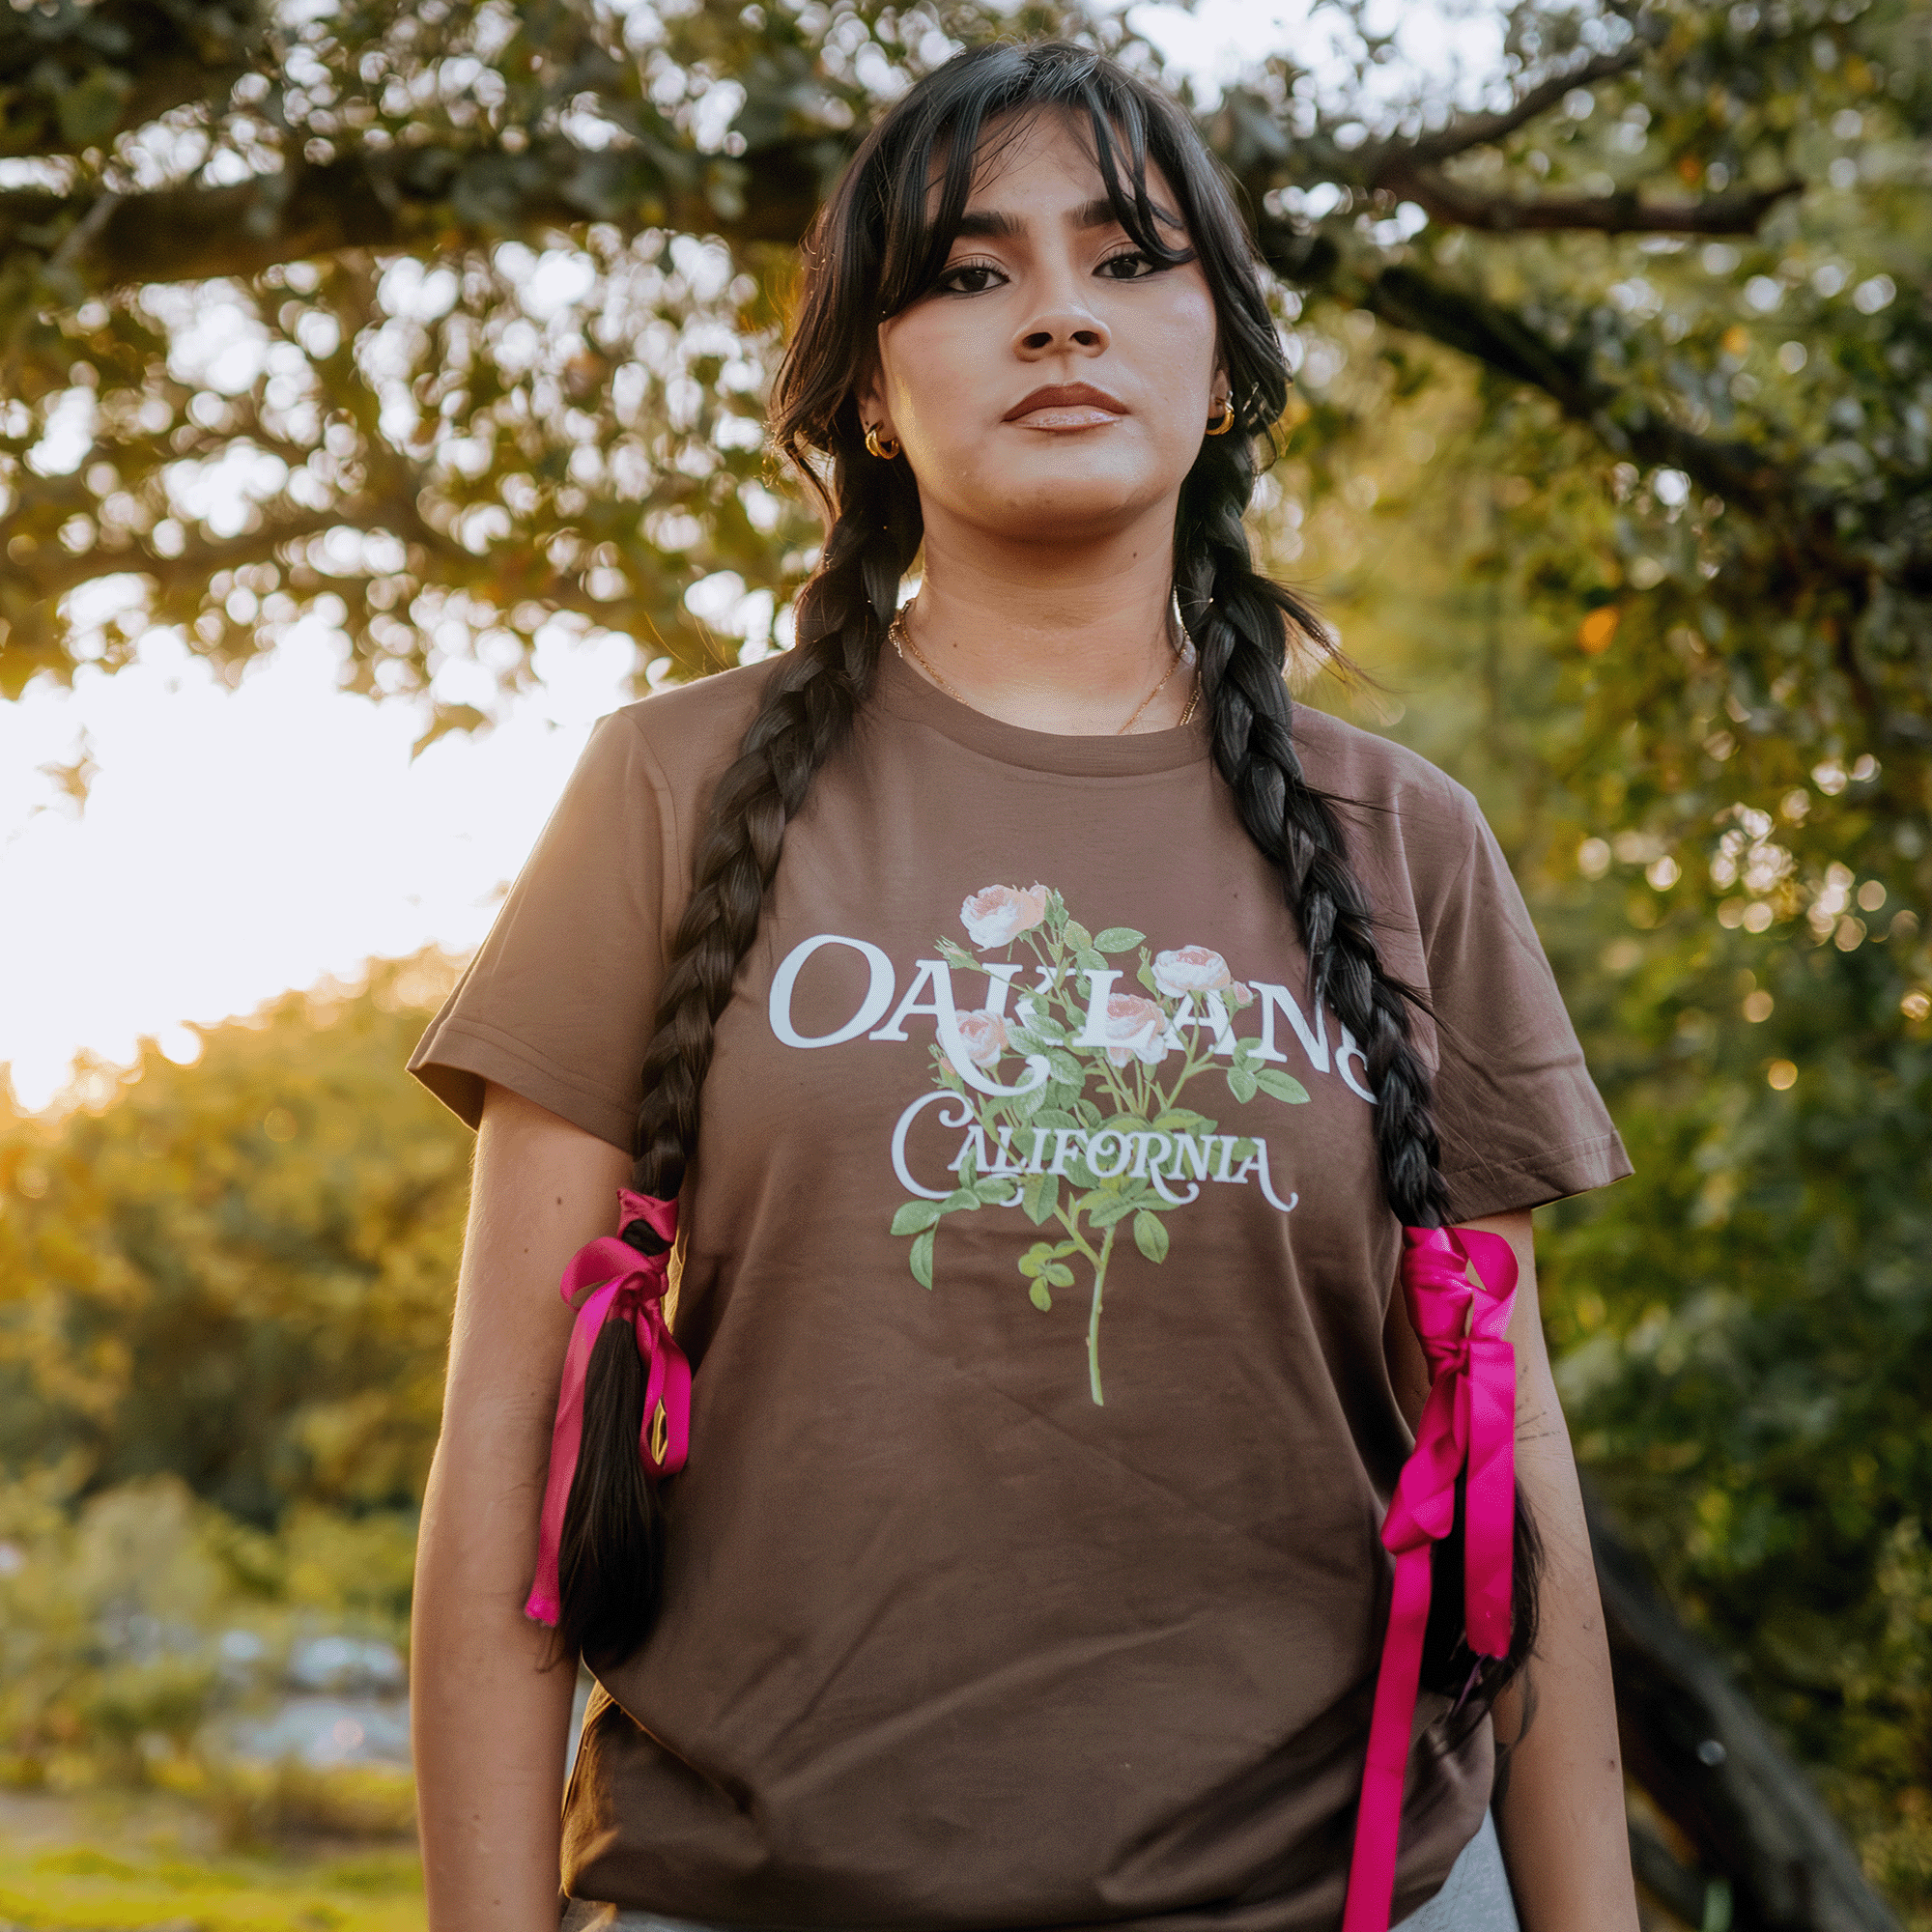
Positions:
(461, 1055)
(1508, 1187)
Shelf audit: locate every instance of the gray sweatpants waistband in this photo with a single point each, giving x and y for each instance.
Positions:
(1475, 1898)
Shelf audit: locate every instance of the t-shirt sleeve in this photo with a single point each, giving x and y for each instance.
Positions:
(558, 1003)
(1520, 1120)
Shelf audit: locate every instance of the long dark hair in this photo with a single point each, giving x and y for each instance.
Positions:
(876, 247)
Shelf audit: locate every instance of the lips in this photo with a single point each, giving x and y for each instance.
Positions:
(1067, 405)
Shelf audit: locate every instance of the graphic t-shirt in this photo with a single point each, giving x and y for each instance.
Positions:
(1025, 1570)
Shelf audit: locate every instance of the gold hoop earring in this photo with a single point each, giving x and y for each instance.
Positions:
(877, 444)
(1225, 421)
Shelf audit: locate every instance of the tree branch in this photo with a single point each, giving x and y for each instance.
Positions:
(1454, 206)
(1460, 319)
(51, 573)
(422, 197)
(1717, 1770)
(1478, 130)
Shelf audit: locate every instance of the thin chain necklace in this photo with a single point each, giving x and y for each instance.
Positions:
(902, 642)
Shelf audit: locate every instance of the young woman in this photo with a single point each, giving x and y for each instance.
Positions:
(1047, 1034)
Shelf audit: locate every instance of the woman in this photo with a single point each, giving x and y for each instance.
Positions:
(1021, 994)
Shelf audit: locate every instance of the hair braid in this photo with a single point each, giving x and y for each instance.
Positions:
(610, 1561)
(1238, 620)
(807, 710)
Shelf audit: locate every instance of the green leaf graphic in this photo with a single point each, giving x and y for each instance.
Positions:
(1283, 1085)
(915, 1217)
(1150, 1236)
(1024, 1106)
(921, 1259)
(1077, 936)
(1117, 939)
(1041, 1198)
(1036, 1294)
(1241, 1083)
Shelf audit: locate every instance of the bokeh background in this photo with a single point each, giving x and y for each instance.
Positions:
(380, 401)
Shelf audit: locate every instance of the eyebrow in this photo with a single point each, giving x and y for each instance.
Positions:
(1095, 213)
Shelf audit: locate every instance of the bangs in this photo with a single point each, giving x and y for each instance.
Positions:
(931, 178)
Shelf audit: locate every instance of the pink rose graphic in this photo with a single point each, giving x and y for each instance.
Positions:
(996, 913)
(984, 1035)
(1134, 1029)
(1241, 994)
(1190, 969)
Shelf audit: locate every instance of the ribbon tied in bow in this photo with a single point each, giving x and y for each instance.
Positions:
(1468, 1430)
(623, 1285)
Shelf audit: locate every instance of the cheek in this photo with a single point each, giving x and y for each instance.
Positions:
(1180, 343)
(935, 366)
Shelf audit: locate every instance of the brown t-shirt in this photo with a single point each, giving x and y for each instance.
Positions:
(1025, 1572)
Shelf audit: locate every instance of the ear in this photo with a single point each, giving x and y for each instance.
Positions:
(873, 408)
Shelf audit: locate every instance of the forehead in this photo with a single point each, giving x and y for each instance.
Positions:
(1040, 162)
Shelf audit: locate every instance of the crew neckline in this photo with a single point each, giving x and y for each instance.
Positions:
(901, 692)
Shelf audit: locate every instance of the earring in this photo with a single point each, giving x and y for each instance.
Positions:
(885, 449)
(1225, 421)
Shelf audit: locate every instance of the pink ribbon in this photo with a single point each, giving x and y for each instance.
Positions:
(1467, 1423)
(623, 1285)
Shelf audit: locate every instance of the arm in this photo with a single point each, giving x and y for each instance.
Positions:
(1559, 1791)
(488, 1722)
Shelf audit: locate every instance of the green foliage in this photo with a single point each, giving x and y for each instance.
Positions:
(131, 1619)
(241, 1271)
(1741, 1330)
(227, 1291)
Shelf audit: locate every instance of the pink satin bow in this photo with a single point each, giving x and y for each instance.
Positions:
(624, 1285)
(1468, 1422)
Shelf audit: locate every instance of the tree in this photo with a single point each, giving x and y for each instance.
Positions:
(238, 1272)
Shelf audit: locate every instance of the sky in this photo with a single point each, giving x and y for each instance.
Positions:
(236, 843)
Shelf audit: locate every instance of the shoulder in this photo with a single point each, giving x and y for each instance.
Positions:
(1419, 805)
(687, 733)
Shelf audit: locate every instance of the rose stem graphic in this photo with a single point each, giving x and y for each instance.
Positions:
(1093, 1319)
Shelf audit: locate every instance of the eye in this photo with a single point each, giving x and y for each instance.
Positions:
(968, 278)
(1130, 265)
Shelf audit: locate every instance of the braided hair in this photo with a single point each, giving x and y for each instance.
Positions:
(875, 248)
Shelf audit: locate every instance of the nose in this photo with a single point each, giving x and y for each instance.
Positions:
(1063, 324)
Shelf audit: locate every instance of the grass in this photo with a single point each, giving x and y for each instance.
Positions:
(92, 1867)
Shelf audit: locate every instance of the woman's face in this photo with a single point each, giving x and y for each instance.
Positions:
(1055, 383)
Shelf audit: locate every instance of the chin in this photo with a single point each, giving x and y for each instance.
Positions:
(1056, 509)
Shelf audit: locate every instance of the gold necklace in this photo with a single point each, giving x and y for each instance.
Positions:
(902, 642)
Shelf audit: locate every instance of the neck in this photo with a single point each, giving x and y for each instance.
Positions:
(1060, 637)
